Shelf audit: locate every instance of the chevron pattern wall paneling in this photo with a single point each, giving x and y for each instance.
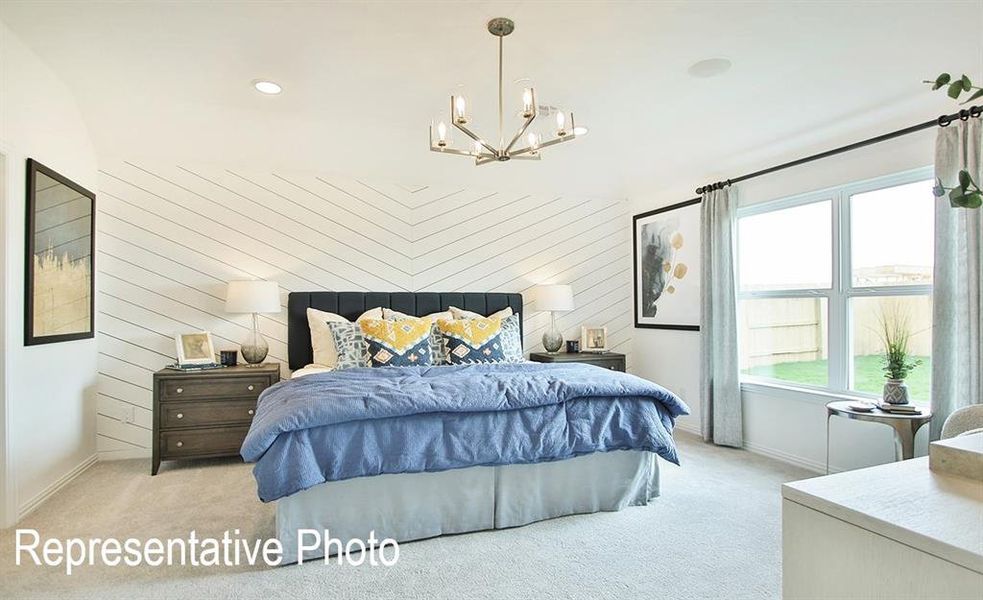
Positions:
(170, 237)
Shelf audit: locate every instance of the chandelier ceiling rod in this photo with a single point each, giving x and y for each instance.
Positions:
(482, 151)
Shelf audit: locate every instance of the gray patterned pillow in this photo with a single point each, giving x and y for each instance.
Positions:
(511, 340)
(352, 349)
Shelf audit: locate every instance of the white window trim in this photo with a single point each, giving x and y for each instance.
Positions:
(839, 323)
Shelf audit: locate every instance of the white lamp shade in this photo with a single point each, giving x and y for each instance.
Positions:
(252, 297)
(554, 297)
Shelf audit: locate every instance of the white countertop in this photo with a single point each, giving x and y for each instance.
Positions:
(905, 501)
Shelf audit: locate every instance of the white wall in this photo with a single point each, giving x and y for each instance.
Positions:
(49, 389)
(171, 236)
(786, 425)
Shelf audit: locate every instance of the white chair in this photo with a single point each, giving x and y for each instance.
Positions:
(966, 420)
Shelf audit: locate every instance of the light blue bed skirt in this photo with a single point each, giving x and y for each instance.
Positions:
(415, 506)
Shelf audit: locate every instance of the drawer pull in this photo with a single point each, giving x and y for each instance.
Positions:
(180, 415)
(179, 444)
(180, 390)
(252, 412)
(251, 388)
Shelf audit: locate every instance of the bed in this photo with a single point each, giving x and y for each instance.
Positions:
(415, 452)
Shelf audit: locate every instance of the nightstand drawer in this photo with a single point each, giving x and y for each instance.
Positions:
(227, 387)
(613, 364)
(202, 442)
(206, 412)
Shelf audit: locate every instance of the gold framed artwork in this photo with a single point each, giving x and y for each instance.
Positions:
(195, 348)
(59, 287)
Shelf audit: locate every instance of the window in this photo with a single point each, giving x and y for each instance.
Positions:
(820, 275)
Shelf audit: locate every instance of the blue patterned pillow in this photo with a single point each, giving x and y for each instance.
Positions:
(352, 349)
(511, 340)
(471, 341)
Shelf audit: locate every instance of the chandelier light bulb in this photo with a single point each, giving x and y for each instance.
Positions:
(533, 140)
(477, 147)
(561, 120)
(459, 106)
(527, 103)
(441, 134)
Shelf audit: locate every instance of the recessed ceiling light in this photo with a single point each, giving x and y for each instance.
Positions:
(710, 67)
(267, 87)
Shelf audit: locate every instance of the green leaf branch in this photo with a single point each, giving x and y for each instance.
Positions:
(955, 88)
(967, 194)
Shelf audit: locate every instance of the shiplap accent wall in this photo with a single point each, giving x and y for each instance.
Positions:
(170, 237)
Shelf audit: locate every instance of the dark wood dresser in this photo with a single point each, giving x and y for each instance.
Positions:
(205, 414)
(607, 360)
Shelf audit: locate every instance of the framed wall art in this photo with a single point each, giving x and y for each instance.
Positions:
(59, 287)
(666, 243)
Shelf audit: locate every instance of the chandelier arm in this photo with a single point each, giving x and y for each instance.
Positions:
(539, 147)
(484, 161)
(470, 134)
(519, 133)
(446, 150)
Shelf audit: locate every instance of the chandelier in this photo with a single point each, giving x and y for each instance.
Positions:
(485, 152)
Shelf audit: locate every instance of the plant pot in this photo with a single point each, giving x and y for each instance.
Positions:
(895, 391)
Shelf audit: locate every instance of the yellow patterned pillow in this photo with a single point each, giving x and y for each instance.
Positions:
(402, 343)
(468, 341)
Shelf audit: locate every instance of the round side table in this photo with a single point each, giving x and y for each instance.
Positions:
(905, 426)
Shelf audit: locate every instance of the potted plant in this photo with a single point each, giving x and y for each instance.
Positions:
(898, 363)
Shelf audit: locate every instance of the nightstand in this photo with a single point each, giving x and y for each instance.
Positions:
(607, 360)
(205, 414)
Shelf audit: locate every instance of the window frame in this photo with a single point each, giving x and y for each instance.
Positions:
(838, 296)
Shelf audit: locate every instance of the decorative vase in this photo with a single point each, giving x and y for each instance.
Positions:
(895, 391)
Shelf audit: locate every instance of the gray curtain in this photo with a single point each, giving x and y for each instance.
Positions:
(957, 344)
(720, 389)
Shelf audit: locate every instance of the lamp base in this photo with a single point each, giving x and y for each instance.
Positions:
(254, 348)
(254, 355)
(552, 340)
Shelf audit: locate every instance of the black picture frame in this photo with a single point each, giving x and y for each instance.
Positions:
(31, 337)
(634, 243)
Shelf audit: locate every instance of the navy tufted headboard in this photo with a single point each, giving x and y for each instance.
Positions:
(352, 304)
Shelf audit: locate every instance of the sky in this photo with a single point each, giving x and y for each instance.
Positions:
(792, 248)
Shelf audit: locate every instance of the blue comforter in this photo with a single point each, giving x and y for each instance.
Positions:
(369, 421)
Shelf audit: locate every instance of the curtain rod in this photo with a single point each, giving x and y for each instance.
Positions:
(944, 120)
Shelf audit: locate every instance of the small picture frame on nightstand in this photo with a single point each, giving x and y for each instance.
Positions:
(593, 339)
(195, 348)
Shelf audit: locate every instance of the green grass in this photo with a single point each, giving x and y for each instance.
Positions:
(868, 376)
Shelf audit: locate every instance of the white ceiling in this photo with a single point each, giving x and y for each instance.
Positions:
(362, 81)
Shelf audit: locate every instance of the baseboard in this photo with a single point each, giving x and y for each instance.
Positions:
(798, 461)
(785, 457)
(107, 455)
(32, 504)
(688, 428)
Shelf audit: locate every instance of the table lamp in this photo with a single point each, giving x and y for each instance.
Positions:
(253, 297)
(554, 298)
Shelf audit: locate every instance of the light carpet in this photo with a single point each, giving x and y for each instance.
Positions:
(714, 533)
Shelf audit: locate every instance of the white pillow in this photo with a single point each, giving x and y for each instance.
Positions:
(391, 315)
(322, 342)
(467, 314)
